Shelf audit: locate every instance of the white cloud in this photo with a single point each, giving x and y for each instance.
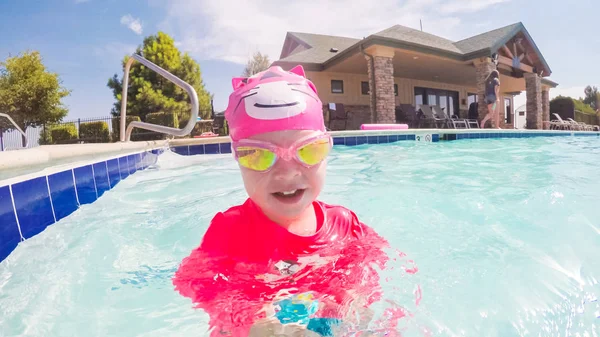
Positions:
(134, 24)
(233, 29)
(468, 6)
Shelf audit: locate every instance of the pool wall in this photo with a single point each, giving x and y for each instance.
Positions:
(44, 195)
(41, 186)
(221, 145)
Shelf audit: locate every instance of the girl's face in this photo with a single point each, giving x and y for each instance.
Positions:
(285, 191)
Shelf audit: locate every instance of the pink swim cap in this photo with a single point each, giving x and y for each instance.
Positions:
(273, 100)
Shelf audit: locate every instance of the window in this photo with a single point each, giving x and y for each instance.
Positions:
(395, 89)
(445, 99)
(364, 88)
(419, 97)
(472, 98)
(337, 86)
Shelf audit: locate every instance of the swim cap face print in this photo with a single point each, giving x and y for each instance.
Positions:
(273, 100)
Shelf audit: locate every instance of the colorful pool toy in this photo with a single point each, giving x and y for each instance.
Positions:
(297, 309)
(384, 126)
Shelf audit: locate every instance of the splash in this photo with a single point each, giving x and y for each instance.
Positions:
(336, 290)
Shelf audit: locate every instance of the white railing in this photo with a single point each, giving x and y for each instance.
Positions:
(17, 127)
(126, 135)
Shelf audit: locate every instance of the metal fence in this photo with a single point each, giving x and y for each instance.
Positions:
(587, 118)
(42, 135)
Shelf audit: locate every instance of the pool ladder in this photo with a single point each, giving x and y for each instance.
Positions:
(125, 135)
(18, 129)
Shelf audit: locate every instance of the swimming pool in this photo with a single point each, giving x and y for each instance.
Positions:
(505, 234)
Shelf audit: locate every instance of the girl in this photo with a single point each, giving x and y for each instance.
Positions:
(282, 259)
(492, 98)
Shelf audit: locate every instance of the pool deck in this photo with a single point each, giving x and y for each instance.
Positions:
(47, 159)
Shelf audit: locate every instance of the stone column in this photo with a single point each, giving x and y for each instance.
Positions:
(545, 107)
(533, 87)
(483, 68)
(382, 91)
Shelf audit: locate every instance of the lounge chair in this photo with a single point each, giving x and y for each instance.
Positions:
(472, 118)
(559, 123)
(338, 113)
(406, 113)
(431, 117)
(582, 125)
(439, 113)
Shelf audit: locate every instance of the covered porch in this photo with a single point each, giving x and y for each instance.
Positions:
(380, 78)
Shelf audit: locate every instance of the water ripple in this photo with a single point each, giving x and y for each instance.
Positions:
(504, 234)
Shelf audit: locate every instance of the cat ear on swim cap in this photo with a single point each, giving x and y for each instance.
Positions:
(298, 70)
(237, 82)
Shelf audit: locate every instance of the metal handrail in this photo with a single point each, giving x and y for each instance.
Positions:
(126, 136)
(17, 127)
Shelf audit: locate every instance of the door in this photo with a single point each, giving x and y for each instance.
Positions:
(508, 111)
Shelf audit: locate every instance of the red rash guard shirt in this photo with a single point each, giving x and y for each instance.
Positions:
(245, 259)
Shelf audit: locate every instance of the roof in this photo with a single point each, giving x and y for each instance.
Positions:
(487, 40)
(318, 46)
(406, 34)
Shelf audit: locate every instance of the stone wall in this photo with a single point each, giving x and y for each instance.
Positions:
(533, 87)
(384, 88)
(545, 108)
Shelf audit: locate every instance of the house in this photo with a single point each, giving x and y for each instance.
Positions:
(401, 65)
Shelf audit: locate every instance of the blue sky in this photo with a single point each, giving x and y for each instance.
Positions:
(85, 40)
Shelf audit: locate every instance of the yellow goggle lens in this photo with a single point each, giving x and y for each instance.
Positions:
(314, 152)
(255, 158)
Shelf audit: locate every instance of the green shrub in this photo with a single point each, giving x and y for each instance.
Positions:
(62, 133)
(586, 109)
(169, 119)
(116, 125)
(183, 119)
(163, 118)
(225, 129)
(94, 132)
(565, 103)
(45, 136)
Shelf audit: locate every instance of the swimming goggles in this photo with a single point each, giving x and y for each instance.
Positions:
(261, 156)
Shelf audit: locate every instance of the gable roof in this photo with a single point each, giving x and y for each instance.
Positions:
(406, 34)
(318, 52)
(318, 47)
(488, 39)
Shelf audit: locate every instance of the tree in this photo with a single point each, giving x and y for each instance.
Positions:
(592, 97)
(256, 64)
(29, 93)
(149, 92)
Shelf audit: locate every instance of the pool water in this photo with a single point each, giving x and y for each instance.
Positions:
(505, 234)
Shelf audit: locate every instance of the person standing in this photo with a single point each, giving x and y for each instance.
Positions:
(492, 98)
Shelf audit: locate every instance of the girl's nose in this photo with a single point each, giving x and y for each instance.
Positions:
(286, 168)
